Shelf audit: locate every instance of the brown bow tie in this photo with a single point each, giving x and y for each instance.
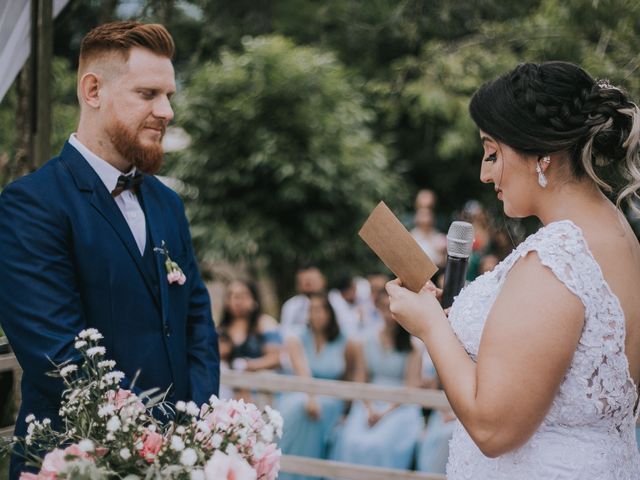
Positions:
(127, 182)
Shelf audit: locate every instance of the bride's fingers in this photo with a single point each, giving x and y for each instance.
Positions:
(431, 288)
(394, 287)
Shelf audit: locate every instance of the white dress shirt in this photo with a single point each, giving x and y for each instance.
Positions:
(127, 201)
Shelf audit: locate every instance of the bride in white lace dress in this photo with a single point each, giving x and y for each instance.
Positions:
(540, 358)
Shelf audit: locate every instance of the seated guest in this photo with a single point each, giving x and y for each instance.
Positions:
(255, 339)
(378, 433)
(295, 311)
(320, 352)
(433, 448)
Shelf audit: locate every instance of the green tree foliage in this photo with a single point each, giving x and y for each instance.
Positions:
(282, 157)
(64, 118)
(427, 118)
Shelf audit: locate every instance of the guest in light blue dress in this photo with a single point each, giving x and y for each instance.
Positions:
(433, 447)
(321, 351)
(378, 433)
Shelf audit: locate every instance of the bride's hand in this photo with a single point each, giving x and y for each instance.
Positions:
(413, 310)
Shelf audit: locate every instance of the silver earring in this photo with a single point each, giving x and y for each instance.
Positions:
(542, 180)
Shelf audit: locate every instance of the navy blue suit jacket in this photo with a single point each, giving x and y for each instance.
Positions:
(68, 261)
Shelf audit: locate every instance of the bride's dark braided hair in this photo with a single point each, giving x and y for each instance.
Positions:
(557, 107)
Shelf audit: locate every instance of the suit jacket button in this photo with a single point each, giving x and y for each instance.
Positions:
(167, 330)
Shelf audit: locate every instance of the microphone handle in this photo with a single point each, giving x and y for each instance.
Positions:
(454, 279)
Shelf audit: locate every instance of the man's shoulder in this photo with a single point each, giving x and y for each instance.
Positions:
(40, 183)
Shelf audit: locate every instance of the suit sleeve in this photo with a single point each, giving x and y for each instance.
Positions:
(41, 310)
(40, 307)
(202, 339)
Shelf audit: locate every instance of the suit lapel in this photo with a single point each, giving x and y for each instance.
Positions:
(155, 221)
(87, 180)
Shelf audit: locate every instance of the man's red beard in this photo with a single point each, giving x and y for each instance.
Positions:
(146, 158)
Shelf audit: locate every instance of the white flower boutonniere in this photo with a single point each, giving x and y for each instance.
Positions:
(174, 272)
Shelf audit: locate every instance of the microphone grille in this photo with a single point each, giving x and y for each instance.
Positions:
(460, 239)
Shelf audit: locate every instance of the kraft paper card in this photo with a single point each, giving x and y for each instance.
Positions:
(397, 249)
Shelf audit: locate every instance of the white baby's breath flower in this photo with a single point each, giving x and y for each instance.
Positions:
(275, 418)
(197, 475)
(96, 336)
(110, 437)
(93, 351)
(31, 428)
(68, 369)
(113, 424)
(259, 449)
(114, 377)
(188, 457)
(192, 409)
(125, 454)
(180, 430)
(216, 440)
(231, 449)
(46, 422)
(267, 433)
(106, 410)
(214, 401)
(86, 445)
(181, 406)
(86, 333)
(177, 443)
(203, 427)
(30, 418)
(151, 428)
(106, 364)
(80, 344)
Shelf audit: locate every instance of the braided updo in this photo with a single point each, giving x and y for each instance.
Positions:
(557, 107)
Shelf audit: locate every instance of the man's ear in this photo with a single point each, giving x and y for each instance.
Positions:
(89, 88)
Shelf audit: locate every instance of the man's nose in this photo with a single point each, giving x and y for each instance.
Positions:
(162, 109)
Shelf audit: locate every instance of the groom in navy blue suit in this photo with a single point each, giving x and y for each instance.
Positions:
(80, 239)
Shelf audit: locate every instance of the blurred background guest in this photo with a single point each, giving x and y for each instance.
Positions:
(254, 335)
(425, 232)
(322, 352)
(294, 314)
(379, 433)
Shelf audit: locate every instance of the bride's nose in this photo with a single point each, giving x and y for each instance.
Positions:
(486, 172)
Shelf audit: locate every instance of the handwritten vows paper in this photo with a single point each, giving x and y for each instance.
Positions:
(397, 249)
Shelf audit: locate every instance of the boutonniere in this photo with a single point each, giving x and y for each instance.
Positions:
(174, 272)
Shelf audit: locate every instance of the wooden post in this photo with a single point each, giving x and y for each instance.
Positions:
(41, 56)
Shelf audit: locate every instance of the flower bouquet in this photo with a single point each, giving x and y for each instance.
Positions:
(110, 433)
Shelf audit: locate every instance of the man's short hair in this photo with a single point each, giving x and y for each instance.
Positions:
(121, 37)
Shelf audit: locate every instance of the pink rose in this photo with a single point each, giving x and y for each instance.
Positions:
(151, 445)
(125, 398)
(173, 276)
(269, 465)
(74, 450)
(52, 464)
(228, 467)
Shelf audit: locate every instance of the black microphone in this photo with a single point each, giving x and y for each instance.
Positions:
(459, 245)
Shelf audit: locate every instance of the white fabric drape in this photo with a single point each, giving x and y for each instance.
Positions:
(15, 43)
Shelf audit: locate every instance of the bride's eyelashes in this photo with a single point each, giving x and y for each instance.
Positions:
(491, 158)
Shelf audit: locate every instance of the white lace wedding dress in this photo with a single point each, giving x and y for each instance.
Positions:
(589, 432)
